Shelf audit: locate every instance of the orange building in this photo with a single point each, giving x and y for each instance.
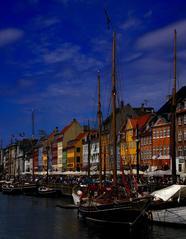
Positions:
(161, 143)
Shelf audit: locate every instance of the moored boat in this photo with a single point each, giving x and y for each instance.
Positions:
(11, 188)
(114, 206)
(169, 205)
(46, 191)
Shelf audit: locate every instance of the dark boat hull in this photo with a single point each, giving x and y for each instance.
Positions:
(128, 213)
(11, 190)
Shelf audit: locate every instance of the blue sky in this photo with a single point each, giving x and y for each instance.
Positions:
(51, 50)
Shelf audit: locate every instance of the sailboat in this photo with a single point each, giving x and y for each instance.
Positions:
(111, 207)
(169, 204)
(45, 190)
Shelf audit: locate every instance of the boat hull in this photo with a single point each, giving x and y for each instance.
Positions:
(172, 216)
(129, 213)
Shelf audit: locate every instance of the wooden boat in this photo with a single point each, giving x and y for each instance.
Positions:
(110, 207)
(169, 205)
(11, 188)
(79, 193)
(46, 191)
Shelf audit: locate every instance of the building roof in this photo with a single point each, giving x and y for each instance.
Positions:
(180, 95)
(141, 120)
(73, 142)
(67, 126)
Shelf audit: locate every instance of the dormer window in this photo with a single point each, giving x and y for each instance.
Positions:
(179, 120)
(178, 106)
(184, 119)
(184, 104)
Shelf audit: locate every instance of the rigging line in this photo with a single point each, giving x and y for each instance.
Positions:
(108, 20)
(107, 16)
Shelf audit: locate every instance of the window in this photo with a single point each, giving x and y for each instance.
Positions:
(184, 151)
(180, 151)
(164, 132)
(161, 133)
(78, 149)
(184, 119)
(179, 167)
(150, 140)
(184, 134)
(178, 106)
(179, 120)
(164, 150)
(161, 150)
(179, 135)
(168, 150)
(78, 159)
(168, 132)
(142, 140)
(184, 104)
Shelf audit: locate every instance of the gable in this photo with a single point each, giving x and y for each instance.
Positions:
(161, 121)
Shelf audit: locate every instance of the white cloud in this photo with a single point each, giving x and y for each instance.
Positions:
(71, 54)
(64, 53)
(45, 22)
(10, 35)
(133, 57)
(131, 23)
(163, 36)
(25, 83)
(148, 14)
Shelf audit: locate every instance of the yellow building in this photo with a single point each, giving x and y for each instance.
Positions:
(74, 151)
(128, 144)
(128, 148)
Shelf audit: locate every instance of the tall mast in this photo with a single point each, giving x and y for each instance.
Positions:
(32, 142)
(100, 130)
(88, 141)
(114, 109)
(33, 124)
(173, 118)
(137, 150)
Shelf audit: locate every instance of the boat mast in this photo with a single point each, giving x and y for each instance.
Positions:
(88, 141)
(32, 142)
(47, 155)
(114, 109)
(137, 151)
(100, 130)
(173, 117)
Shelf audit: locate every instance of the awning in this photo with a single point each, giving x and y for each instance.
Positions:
(169, 192)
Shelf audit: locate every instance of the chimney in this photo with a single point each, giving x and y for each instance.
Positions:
(142, 107)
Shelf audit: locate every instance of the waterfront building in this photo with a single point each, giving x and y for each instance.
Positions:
(74, 152)
(130, 141)
(181, 136)
(180, 127)
(91, 151)
(59, 153)
(69, 132)
(146, 150)
(161, 158)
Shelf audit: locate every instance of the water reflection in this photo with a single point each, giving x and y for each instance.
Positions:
(24, 217)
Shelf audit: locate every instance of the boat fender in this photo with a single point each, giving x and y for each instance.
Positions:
(149, 215)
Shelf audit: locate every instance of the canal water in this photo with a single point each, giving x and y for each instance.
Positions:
(25, 217)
